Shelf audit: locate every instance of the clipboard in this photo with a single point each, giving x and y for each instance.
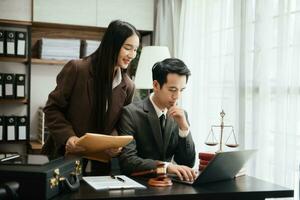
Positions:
(94, 145)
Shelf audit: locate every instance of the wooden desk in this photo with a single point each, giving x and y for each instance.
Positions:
(245, 188)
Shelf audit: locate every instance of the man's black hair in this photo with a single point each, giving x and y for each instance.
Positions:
(160, 70)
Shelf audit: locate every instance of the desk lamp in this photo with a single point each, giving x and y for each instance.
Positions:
(149, 56)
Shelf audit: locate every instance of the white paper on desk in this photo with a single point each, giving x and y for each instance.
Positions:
(106, 182)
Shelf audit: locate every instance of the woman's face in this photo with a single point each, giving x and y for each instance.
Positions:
(128, 51)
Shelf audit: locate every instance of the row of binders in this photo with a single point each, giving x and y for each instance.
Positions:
(12, 86)
(13, 43)
(13, 128)
(43, 131)
(66, 49)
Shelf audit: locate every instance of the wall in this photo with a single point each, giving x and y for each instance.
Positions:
(16, 10)
(43, 81)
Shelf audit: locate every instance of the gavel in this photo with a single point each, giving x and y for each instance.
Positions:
(161, 179)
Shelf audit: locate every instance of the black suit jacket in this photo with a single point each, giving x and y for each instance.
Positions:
(140, 120)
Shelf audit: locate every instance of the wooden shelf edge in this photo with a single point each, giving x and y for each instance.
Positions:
(13, 142)
(79, 27)
(66, 26)
(36, 145)
(13, 101)
(48, 62)
(13, 59)
(15, 22)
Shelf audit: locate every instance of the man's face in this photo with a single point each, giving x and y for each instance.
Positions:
(167, 95)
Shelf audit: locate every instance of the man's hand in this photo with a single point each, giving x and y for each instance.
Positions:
(183, 172)
(113, 152)
(178, 114)
(71, 146)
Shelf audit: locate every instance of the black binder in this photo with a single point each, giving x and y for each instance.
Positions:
(19, 85)
(22, 127)
(9, 80)
(10, 43)
(2, 32)
(10, 126)
(2, 128)
(1, 85)
(20, 44)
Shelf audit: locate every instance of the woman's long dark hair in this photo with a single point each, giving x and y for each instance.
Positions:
(104, 60)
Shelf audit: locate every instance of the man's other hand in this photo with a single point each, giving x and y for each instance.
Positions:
(183, 172)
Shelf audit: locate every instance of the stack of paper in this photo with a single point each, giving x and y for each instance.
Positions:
(43, 131)
(115, 182)
(59, 49)
(89, 47)
(95, 144)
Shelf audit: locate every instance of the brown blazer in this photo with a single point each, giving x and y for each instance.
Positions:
(68, 111)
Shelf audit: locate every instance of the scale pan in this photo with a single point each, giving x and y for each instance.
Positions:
(232, 145)
(211, 143)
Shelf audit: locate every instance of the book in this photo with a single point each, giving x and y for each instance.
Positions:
(95, 144)
(206, 156)
(201, 167)
(203, 162)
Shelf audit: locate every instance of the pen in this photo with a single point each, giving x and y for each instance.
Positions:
(118, 178)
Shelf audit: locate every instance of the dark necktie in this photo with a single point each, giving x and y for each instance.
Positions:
(162, 120)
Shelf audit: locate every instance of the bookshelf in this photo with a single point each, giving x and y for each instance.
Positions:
(36, 31)
(18, 107)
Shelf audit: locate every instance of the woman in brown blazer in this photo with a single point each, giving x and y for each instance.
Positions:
(90, 94)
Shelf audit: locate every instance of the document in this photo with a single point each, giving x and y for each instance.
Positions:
(10, 43)
(20, 85)
(1, 42)
(22, 127)
(95, 144)
(112, 182)
(8, 156)
(20, 43)
(11, 125)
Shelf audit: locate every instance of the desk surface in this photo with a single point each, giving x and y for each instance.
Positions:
(245, 187)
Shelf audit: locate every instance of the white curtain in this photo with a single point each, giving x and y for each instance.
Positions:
(245, 58)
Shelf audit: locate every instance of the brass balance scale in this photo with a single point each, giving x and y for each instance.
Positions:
(211, 139)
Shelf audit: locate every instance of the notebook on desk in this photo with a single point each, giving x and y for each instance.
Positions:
(224, 166)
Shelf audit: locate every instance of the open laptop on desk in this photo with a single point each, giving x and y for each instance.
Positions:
(224, 165)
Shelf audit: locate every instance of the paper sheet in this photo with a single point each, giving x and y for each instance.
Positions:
(106, 182)
(94, 145)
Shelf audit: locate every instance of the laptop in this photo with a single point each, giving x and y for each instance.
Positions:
(224, 166)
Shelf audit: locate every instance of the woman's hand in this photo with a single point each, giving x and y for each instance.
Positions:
(113, 152)
(72, 148)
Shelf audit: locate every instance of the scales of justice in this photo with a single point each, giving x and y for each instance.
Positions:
(211, 139)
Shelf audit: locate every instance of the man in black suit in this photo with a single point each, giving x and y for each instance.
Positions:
(160, 128)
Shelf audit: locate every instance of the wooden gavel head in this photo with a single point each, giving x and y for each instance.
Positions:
(162, 179)
(161, 170)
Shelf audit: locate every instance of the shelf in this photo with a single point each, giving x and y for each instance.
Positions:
(13, 101)
(13, 142)
(15, 23)
(35, 145)
(13, 59)
(48, 62)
